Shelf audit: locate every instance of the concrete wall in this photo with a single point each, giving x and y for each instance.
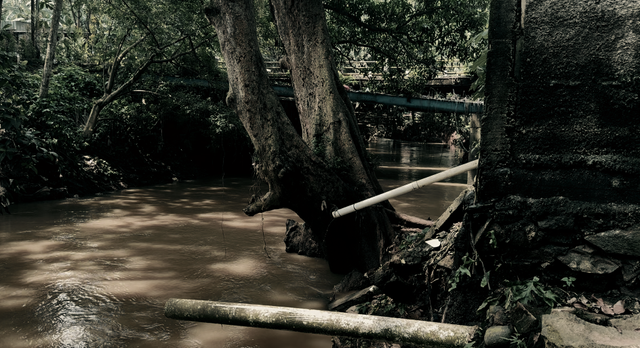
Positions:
(560, 155)
(563, 114)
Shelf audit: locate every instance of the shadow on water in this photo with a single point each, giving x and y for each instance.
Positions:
(96, 272)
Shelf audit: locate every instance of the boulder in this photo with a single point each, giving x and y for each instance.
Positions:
(583, 259)
(496, 336)
(617, 242)
(562, 329)
(523, 321)
(630, 270)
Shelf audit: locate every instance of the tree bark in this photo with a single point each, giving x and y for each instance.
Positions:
(328, 120)
(33, 23)
(109, 94)
(51, 50)
(296, 177)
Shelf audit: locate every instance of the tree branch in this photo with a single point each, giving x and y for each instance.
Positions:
(269, 201)
(149, 31)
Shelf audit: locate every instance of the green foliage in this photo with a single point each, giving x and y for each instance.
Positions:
(528, 292)
(410, 240)
(493, 241)
(22, 147)
(463, 269)
(425, 126)
(568, 281)
(7, 43)
(175, 123)
(268, 38)
(516, 341)
(479, 66)
(409, 41)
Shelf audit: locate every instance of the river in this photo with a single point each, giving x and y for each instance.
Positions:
(96, 272)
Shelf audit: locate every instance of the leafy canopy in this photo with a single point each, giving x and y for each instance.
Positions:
(410, 40)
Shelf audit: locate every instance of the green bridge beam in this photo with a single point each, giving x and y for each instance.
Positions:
(419, 104)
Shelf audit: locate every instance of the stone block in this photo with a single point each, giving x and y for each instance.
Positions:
(565, 330)
(617, 242)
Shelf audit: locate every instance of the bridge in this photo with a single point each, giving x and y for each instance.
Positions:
(453, 79)
(417, 104)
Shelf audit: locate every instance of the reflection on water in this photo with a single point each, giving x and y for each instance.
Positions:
(96, 272)
(400, 163)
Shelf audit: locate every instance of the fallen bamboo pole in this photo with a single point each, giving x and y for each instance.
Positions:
(424, 333)
(406, 188)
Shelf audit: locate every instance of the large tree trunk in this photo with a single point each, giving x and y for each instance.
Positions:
(328, 121)
(296, 177)
(51, 49)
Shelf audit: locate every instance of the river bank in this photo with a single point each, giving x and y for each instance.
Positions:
(449, 274)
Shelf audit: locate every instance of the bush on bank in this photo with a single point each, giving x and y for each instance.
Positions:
(163, 130)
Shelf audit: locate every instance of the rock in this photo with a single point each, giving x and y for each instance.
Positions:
(562, 329)
(352, 310)
(496, 336)
(593, 318)
(630, 323)
(583, 259)
(523, 321)
(617, 242)
(558, 222)
(447, 262)
(299, 239)
(496, 315)
(361, 296)
(630, 270)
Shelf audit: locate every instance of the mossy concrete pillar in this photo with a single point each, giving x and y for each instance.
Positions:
(563, 114)
(560, 155)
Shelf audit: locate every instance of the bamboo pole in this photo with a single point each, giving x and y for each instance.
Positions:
(406, 188)
(424, 333)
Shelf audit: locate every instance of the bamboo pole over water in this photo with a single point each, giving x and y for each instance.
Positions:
(406, 188)
(424, 333)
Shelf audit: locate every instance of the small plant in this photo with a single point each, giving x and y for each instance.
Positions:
(410, 240)
(464, 269)
(516, 341)
(528, 292)
(492, 239)
(568, 281)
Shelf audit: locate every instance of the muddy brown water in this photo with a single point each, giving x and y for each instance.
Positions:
(96, 272)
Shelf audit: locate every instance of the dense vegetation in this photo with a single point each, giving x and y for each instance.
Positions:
(149, 72)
